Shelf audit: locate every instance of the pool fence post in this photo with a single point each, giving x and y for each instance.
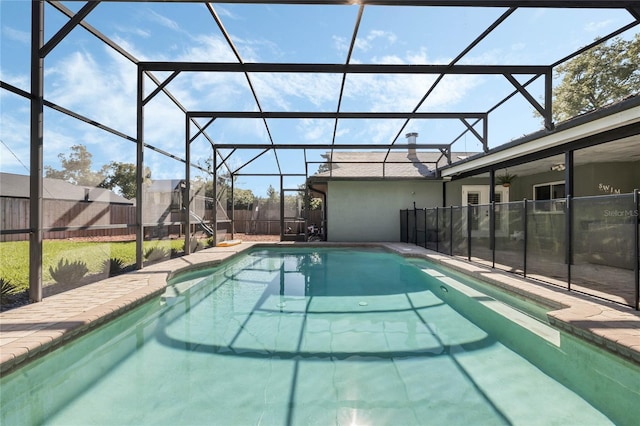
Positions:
(140, 205)
(233, 203)
(450, 230)
(281, 221)
(636, 248)
(524, 226)
(437, 231)
(215, 196)
(406, 225)
(568, 238)
(492, 233)
(185, 190)
(492, 216)
(404, 217)
(415, 224)
(469, 211)
(568, 178)
(425, 226)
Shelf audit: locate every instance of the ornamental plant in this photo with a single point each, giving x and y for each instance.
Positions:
(68, 272)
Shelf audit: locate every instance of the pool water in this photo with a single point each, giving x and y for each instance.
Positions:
(324, 336)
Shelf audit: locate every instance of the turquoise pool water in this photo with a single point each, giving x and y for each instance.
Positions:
(324, 336)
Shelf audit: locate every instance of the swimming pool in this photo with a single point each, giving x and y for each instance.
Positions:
(324, 336)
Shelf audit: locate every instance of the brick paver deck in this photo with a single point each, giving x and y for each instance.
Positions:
(32, 330)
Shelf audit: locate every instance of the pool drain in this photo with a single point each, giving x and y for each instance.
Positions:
(363, 303)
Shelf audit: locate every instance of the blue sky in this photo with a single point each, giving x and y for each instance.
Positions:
(86, 76)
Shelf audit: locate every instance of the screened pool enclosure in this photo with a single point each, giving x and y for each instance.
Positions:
(214, 105)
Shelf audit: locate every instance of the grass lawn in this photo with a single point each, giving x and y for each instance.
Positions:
(14, 256)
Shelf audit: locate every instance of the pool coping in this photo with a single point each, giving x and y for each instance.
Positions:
(30, 331)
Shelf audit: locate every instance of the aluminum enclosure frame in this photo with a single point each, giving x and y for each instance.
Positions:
(40, 49)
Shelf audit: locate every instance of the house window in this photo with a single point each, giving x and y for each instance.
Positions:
(554, 195)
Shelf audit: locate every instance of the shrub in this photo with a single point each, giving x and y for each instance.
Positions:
(68, 272)
(155, 253)
(7, 291)
(175, 252)
(113, 266)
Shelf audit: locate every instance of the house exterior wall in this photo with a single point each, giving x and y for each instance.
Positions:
(453, 190)
(589, 180)
(364, 211)
(522, 186)
(607, 178)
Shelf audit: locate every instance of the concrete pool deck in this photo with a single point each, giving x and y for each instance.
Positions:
(32, 330)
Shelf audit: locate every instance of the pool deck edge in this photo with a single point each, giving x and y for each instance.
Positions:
(30, 331)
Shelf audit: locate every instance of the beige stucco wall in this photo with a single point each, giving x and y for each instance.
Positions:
(370, 211)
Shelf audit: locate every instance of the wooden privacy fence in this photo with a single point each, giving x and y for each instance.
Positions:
(245, 222)
(116, 219)
(67, 214)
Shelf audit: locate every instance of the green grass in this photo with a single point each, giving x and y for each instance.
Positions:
(14, 256)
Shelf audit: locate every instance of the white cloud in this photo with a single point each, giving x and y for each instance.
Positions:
(20, 36)
(316, 130)
(370, 131)
(164, 21)
(341, 44)
(207, 49)
(284, 89)
(106, 91)
(593, 27)
(363, 44)
(133, 30)
(389, 59)
(386, 35)
(129, 47)
(19, 80)
(224, 12)
(101, 91)
(375, 36)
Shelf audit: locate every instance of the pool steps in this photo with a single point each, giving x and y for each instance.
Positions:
(542, 330)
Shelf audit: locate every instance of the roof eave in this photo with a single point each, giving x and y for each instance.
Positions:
(618, 115)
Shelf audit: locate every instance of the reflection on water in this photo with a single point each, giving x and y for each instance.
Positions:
(336, 272)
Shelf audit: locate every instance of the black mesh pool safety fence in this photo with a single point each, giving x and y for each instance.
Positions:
(586, 244)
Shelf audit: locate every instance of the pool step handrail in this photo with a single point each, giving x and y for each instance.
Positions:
(205, 227)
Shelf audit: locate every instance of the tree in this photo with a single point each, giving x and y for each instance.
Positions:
(76, 169)
(322, 168)
(309, 201)
(121, 178)
(272, 194)
(243, 199)
(598, 77)
(116, 176)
